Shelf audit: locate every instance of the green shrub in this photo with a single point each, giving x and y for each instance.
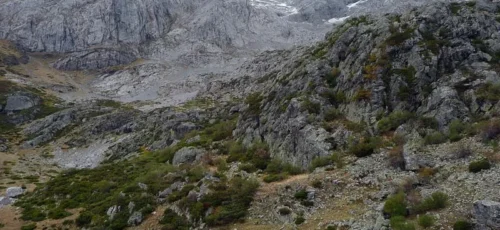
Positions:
(254, 103)
(458, 130)
(436, 201)
(68, 222)
(307, 203)
(396, 205)
(247, 167)
(426, 221)
(58, 213)
(490, 130)
(29, 227)
(365, 148)
(462, 225)
(84, 219)
(231, 201)
(33, 214)
(399, 223)
(362, 94)
(435, 138)
(311, 107)
(284, 211)
(317, 184)
(477, 166)
(394, 120)
(333, 114)
(320, 161)
(275, 177)
(301, 194)
(299, 220)
(489, 92)
(455, 8)
(172, 221)
(335, 98)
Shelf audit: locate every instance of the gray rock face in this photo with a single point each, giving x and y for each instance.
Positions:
(65, 25)
(21, 101)
(14, 192)
(487, 214)
(4, 201)
(411, 150)
(112, 211)
(94, 59)
(352, 73)
(187, 155)
(135, 219)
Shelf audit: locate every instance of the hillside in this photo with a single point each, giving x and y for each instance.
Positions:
(390, 122)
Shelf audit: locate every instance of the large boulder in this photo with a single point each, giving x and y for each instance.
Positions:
(187, 155)
(21, 101)
(5, 201)
(135, 219)
(487, 214)
(14, 192)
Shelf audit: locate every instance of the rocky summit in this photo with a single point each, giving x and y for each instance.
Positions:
(250, 114)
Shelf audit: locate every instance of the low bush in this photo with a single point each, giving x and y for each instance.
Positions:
(436, 201)
(426, 221)
(458, 130)
(435, 138)
(362, 95)
(396, 159)
(396, 205)
(400, 223)
(247, 167)
(284, 211)
(172, 221)
(58, 213)
(307, 203)
(29, 227)
(317, 184)
(462, 151)
(333, 114)
(320, 161)
(394, 120)
(301, 194)
(462, 225)
(477, 166)
(299, 220)
(365, 148)
(254, 103)
(84, 219)
(311, 107)
(275, 177)
(490, 130)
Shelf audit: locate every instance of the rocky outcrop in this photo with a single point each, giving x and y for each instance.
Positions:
(487, 214)
(94, 59)
(187, 155)
(14, 192)
(64, 26)
(21, 101)
(4, 201)
(368, 68)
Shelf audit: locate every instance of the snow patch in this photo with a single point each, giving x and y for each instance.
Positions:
(356, 3)
(337, 20)
(275, 5)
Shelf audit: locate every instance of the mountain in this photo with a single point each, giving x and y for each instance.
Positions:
(242, 115)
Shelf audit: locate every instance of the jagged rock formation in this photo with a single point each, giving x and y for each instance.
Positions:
(487, 214)
(434, 62)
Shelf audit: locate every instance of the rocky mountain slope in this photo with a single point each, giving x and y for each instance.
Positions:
(390, 122)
